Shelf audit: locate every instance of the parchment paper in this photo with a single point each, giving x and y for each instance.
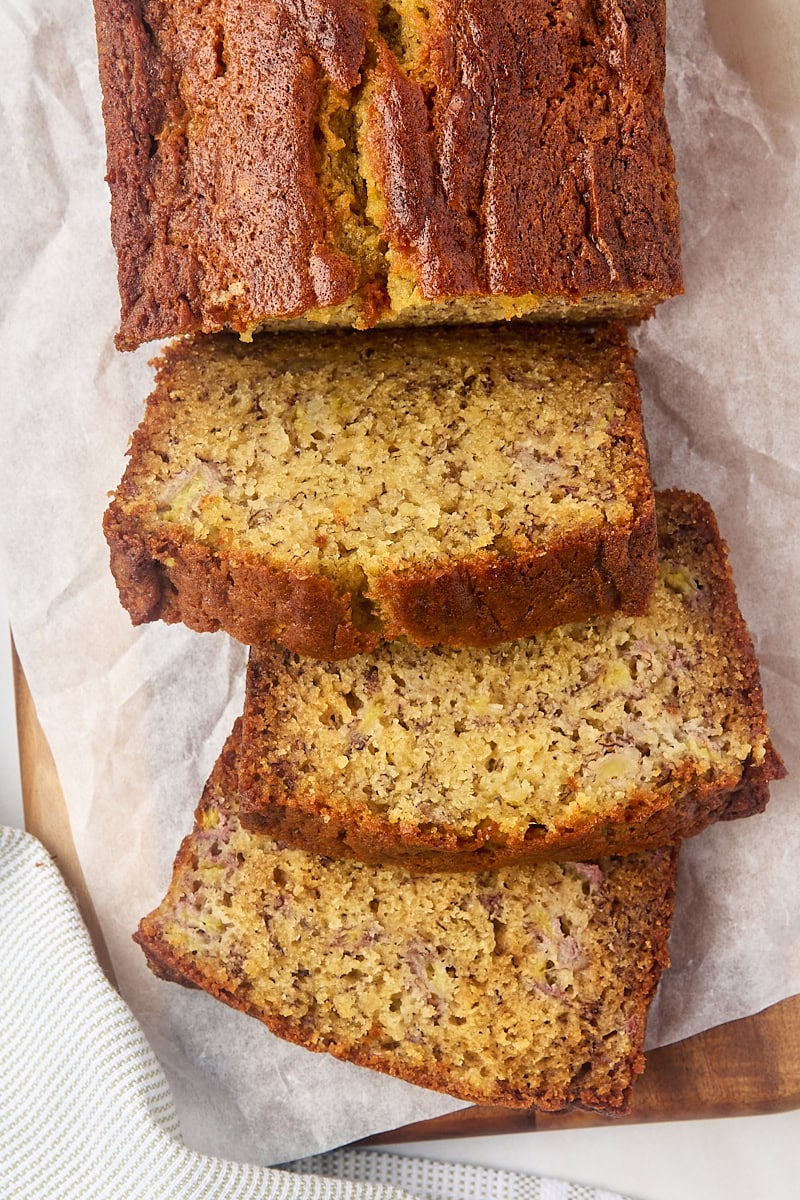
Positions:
(136, 719)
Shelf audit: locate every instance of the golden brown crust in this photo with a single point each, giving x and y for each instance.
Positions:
(491, 598)
(639, 898)
(322, 830)
(208, 174)
(479, 599)
(482, 600)
(497, 170)
(519, 155)
(681, 805)
(172, 578)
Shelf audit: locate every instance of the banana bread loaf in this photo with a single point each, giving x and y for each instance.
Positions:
(522, 986)
(356, 161)
(327, 492)
(607, 737)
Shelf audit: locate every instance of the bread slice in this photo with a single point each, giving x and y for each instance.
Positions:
(329, 492)
(360, 161)
(523, 986)
(605, 737)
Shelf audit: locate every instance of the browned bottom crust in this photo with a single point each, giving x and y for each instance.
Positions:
(483, 600)
(321, 831)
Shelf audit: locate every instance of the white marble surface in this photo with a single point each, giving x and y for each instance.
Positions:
(751, 1158)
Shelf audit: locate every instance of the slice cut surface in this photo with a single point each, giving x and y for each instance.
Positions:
(609, 735)
(520, 986)
(452, 488)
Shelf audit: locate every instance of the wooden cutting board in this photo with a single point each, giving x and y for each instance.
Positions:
(742, 1068)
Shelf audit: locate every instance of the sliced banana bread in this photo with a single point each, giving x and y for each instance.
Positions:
(523, 986)
(328, 492)
(356, 161)
(605, 737)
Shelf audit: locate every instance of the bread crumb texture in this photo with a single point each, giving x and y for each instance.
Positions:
(377, 461)
(519, 986)
(357, 161)
(534, 741)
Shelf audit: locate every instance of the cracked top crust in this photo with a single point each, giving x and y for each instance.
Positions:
(355, 162)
